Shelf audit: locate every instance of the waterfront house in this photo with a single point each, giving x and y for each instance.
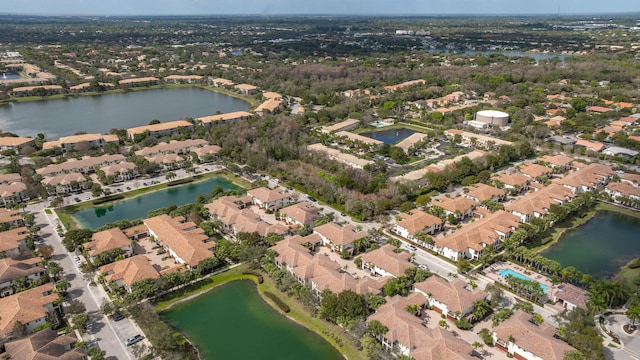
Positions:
(107, 240)
(26, 271)
(537, 204)
(14, 241)
(453, 299)
(15, 143)
(246, 89)
(346, 125)
(81, 142)
(183, 240)
(386, 261)
(64, 183)
(222, 83)
(270, 106)
(38, 90)
(339, 238)
(33, 308)
(85, 165)
(159, 129)
(587, 178)
(225, 118)
(348, 138)
(173, 147)
(120, 172)
(570, 296)
(417, 221)
(183, 79)
(333, 154)
(622, 189)
(519, 337)
(126, 272)
(135, 82)
(207, 153)
(44, 345)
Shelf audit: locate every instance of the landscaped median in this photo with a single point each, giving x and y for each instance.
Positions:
(296, 312)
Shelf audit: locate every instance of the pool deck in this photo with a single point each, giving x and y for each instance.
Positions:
(493, 272)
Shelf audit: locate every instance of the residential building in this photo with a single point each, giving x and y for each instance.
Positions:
(85, 165)
(385, 261)
(64, 183)
(537, 204)
(39, 90)
(183, 79)
(471, 240)
(168, 162)
(183, 240)
(570, 296)
(15, 143)
(460, 207)
(159, 129)
(81, 142)
(349, 137)
(246, 89)
(520, 337)
(33, 308)
(270, 106)
(590, 145)
(126, 272)
(226, 118)
(270, 199)
(173, 147)
(413, 139)
(475, 140)
(10, 218)
(135, 82)
(417, 221)
(13, 193)
(28, 271)
(632, 179)
(222, 83)
(207, 153)
(535, 171)
(346, 125)
(559, 163)
(392, 88)
(481, 192)
(514, 184)
(120, 172)
(44, 345)
(339, 238)
(622, 189)
(333, 154)
(587, 178)
(13, 241)
(453, 299)
(303, 213)
(106, 240)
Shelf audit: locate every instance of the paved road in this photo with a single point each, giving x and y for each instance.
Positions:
(109, 335)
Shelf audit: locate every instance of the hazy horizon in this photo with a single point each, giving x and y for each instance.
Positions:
(314, 7)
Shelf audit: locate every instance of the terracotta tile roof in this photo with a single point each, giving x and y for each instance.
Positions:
(624, 188)
(74, 139)
(537, 339)
(269, 105)
(45, 345)
(291, 252)
(304, 212)
(185, 239)
(25, 306)
(138, 80)
(340, 156)
(12, 189)
(106, 240)
(483, 192)
(513, 179)
(63, 179)
(266, 195)
(443, 345)
(8, 216)
(130, 270)
(341, 125)
(461, 204)
(119, 168)
(480, 233)
(77, 165)
(388, 260)
(632, 178)
(30, 88)
(11, 239)
(236, 115)
(223, 81)
(402, 326)
(556, 160)
(246, 87)
(535, 170)
(411, 140)
(173, 146)
(207, 150)
(598, 109)
(340, 235)
(359, 138)
(453, 294)
(11, 269)
(541, 200)
(183, 77)
(572, 294)
(164, 159)
(315, 266)
(159, 127)
(418, 220)
(591, 145)
(12, 141)
(590, 175)
(9, 178)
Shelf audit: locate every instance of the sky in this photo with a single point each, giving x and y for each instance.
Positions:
(332, 7)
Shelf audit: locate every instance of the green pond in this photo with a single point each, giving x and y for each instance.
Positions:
(601, 246)
(137, 207)
(233, 322)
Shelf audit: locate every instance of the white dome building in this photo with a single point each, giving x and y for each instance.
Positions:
(493, 117)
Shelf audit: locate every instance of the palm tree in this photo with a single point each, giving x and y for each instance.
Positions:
(170, 176)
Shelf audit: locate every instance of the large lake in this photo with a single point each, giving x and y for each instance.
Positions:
(101, 113)
(601, 246)
(139, 206)
(233, 322)
(389, 136)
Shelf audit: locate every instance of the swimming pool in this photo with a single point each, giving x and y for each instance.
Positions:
(505, 272)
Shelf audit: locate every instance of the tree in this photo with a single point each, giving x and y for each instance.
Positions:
(46, 251)
(62, 286)
(108, 307)
(75, 307)
(76, 237)
(19, 329)
(376, 328)
(633, 313)
(480, 309)
(95, 353)
(496, 294)
(170, 176)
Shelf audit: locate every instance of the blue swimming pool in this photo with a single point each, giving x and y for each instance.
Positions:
(505, 272)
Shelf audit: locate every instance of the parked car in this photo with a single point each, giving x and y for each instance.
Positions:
(311, 198)
(411, 247)
(117, 317)
(76, 199)
(132, 340)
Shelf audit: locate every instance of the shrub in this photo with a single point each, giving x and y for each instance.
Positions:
(259, 277)
(635, 264)
(107, 199)
(284, 307)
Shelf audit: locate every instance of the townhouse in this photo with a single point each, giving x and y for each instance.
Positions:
(339, 238)
(535, 171)
(346, 137)
(173, 147)
(33, 308)
(226, 118)
(13, 241)
(12, 190)
(120, 172)
(270, 199)
(159, 129)
(303, 213)
(537, 204)
(182, 239)
(622, 189)
(126, 272)
(183, 79)
(514, 184)
(64, 183)
(45, 344)
(10, 218)
(587, 178)
(482, 192)
(81, 142)
(207, 153)
(386, 261)
(416, 222)
(84, 165)
(11, 271)
(107, 240)
(346, 125)
(38, 90)
(236, 216)
(519, 337)
(333, 154)
(453, 299)
(559, 163)
(270, 106)
(590, 145)
(632, 179)
(246, 89)
(15, 143)
(411, 140)
(135, 82)
(222, 83)
(460, 207)
(471, 240)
